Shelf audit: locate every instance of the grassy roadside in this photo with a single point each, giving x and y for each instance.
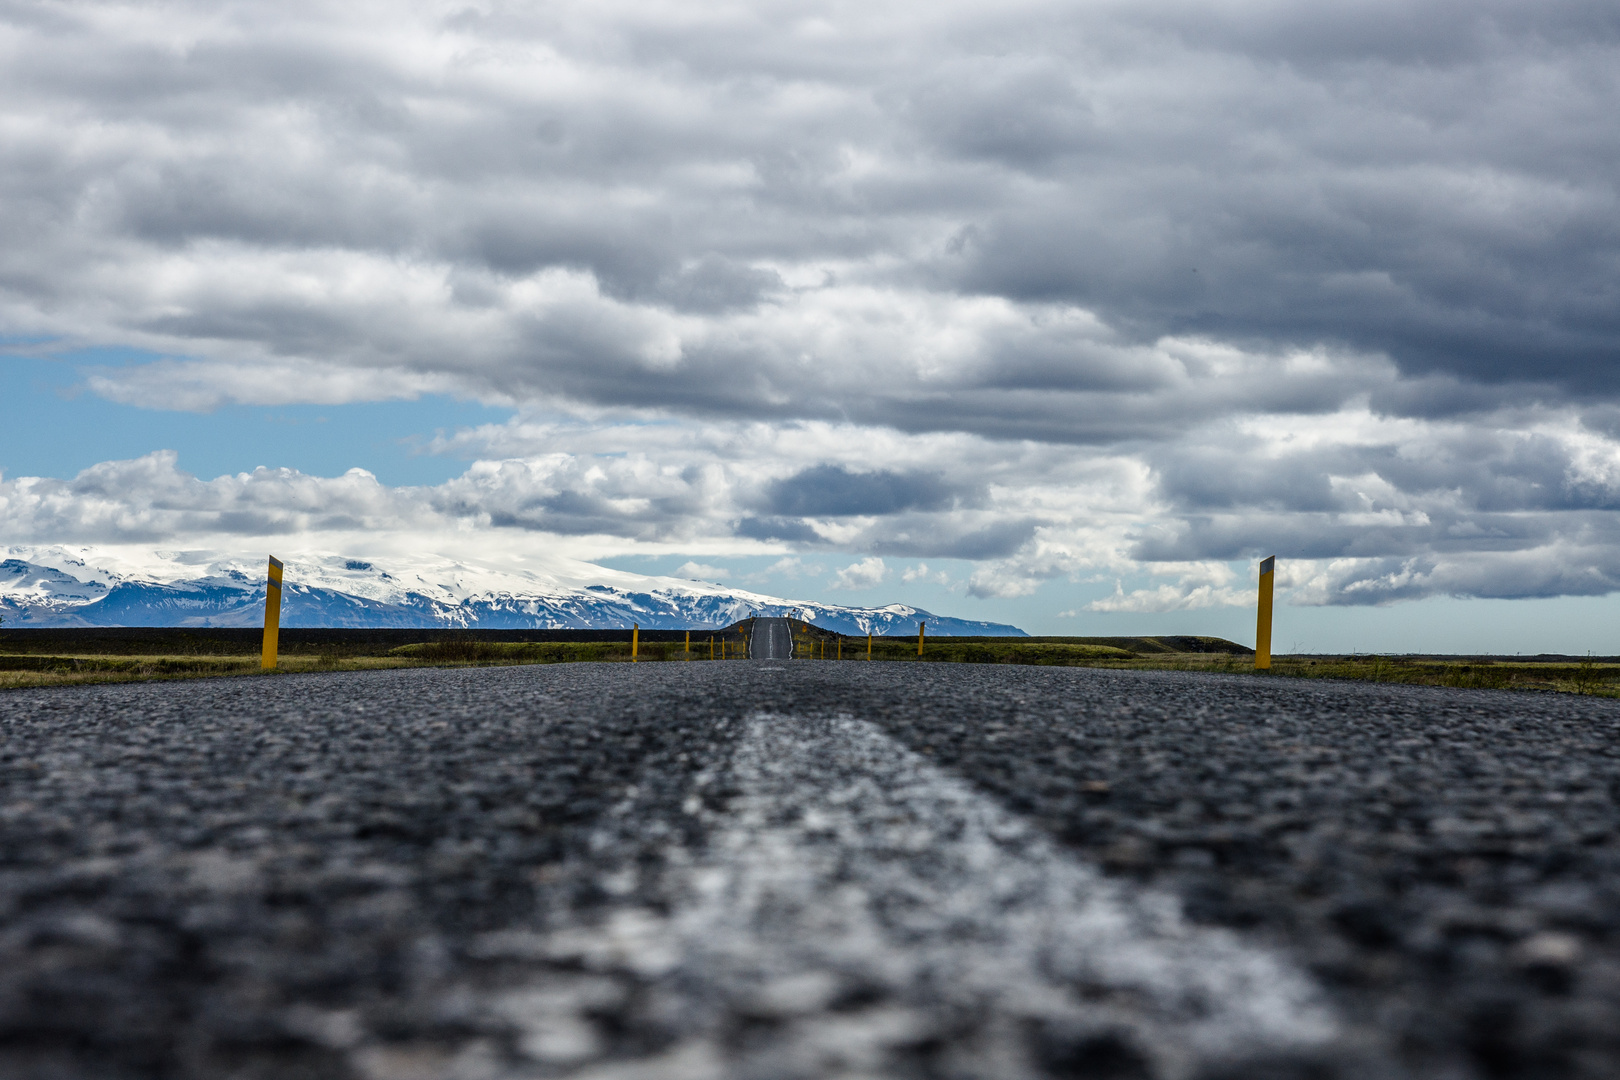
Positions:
(1564, 675)
(1559, 674)
(1569, 675)
(24, 671)
(30, 669)
(1574, 675)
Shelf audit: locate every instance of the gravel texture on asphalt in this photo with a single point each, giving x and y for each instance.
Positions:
(793, 869)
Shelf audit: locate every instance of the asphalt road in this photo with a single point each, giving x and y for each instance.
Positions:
(785, 870)
(771, 639)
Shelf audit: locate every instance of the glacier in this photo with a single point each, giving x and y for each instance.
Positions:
(84, 586)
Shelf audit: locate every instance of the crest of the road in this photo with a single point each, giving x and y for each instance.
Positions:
(770, 639)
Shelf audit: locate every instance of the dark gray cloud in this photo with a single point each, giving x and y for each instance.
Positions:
(1433, 182)
(834, 491)
(1474, 473)
(716, 284)
(793, 530)
(929, 540)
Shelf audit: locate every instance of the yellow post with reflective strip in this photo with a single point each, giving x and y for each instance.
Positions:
(635, 640)
(1262, 630)
(921, 627)
(272, 615)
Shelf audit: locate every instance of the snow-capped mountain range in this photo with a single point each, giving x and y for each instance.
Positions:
(60, 586)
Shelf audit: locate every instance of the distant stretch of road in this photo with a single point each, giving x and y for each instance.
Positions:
(807, 870)
(771, 639)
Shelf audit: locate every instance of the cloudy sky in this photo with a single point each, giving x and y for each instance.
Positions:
(1057, 313)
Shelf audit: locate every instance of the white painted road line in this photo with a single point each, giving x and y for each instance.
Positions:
(858, 912)
(770, 639)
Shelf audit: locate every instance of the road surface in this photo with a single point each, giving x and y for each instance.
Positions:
(806, 870)
(771, 639)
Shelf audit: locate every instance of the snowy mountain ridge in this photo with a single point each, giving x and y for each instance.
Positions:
(60, 586)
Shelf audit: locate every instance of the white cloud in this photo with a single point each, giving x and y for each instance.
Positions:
(1171, 598)
(701, 572)
(920, 572)
(790, 566)
(1440, 508)
(202, 386)
(869, 573)
(1003, 582)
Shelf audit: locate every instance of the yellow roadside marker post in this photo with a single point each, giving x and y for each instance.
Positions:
(869, 646)
(688, 655)
(1262, 631)
(921, 627)
(711, 646)
(272, 615)
(840, 646)
(635, 641)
